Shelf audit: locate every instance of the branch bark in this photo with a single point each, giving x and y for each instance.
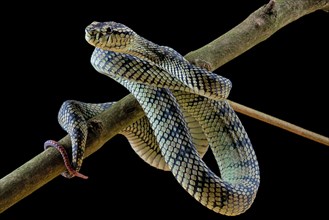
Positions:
(256, 28)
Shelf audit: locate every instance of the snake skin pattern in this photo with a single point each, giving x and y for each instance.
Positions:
(186, 112)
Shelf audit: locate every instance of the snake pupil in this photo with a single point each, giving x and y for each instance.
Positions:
(109, 30)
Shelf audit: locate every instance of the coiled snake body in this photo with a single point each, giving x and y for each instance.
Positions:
(186, 111)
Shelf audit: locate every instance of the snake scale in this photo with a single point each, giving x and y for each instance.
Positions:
(186, 112)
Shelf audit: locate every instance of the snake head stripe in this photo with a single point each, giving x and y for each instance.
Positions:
(109, 35)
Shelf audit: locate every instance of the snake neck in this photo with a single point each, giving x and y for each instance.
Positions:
(147, 50)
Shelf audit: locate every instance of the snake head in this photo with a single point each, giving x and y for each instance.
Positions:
(109, 35)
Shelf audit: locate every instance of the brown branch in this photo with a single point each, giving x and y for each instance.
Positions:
(279, 123)
(257, 27)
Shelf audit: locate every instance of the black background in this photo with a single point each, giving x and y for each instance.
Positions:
(45, 61)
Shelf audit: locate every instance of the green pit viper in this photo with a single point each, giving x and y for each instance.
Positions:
(186, 112)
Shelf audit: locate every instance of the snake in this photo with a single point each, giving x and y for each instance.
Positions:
(186, 111)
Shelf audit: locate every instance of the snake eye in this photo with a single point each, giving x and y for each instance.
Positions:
(108, 30)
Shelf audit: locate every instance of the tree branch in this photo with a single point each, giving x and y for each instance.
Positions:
(279, 123)
(256, 28)
(49, 164)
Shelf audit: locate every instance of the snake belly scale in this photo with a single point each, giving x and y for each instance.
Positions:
(186, 112)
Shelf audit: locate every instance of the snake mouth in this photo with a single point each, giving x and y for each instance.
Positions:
(89, 37)
(98, 41)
